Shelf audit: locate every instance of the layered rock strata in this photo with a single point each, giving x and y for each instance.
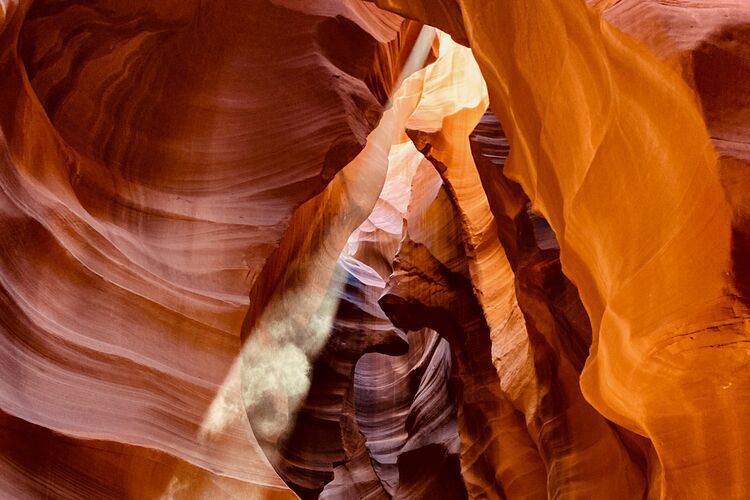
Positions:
(639, 196)
(153, 154)
(278, 247)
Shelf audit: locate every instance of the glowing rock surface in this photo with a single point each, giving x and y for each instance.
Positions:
(392, 249)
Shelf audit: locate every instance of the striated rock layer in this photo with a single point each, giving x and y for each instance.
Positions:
(153, 155)
(610, 146)
(279, 248)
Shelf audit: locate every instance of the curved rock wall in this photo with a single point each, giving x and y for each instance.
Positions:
(276, 247)
(633, 197)
(152, 156)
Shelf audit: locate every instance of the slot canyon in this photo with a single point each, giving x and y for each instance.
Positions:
(349, 249)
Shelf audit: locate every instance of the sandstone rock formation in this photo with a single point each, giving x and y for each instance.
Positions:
(667, 309)
(390, 249)
(152, 159)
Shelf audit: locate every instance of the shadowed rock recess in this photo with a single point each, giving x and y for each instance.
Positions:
(348, 249)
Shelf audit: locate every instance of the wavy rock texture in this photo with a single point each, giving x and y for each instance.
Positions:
(569, 433)
(294, 301)
(573, 91)
(306, 456)
(406, 406)
(708, 42)
(152, 158)
(497, 455)
(271, 248)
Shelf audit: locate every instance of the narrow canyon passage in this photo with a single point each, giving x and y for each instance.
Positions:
(351, 249)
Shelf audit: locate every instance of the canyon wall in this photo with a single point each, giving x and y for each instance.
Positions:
(612, 147)
(152, 157)
(390, 249)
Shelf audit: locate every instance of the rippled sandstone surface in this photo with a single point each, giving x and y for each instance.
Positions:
(393, 249)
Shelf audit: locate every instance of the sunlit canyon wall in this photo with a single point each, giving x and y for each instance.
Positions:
(367, 250)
